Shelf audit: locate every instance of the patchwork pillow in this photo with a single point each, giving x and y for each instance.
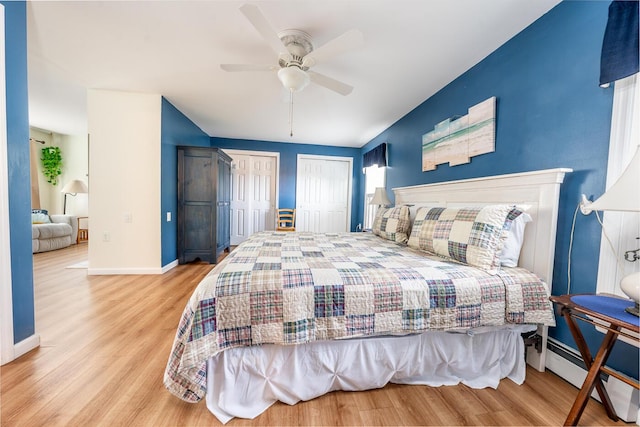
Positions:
(392, 224)
(473, 236)
(40, 216)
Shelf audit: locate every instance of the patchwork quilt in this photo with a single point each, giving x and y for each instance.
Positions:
(292, 288)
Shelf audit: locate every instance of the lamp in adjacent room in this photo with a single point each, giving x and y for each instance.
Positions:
(73, 188)
(380, 197)
(623, 196)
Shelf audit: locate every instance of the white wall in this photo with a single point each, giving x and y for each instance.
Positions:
(75, 165)
(124, 182)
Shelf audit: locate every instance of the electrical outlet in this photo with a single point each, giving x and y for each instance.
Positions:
(106, 236)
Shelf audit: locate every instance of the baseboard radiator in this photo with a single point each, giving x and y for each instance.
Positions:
(566, 362)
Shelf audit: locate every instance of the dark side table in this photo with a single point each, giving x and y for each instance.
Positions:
(607, 312)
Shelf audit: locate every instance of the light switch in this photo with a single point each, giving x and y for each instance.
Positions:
(168, 216)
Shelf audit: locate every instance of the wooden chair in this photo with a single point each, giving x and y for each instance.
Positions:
(286, 220)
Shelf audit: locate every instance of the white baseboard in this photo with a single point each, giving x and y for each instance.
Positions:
(13, 351)
(114, 271)
(122, 271)
(171, 265)
(26, 345)
(623, 397)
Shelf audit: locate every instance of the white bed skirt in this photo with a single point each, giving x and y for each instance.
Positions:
(244, 382)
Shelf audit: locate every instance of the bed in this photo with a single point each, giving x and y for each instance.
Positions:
(292, 316)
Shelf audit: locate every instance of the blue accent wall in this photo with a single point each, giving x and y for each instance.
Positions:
(176, 129)
(288, 171)
(550, 113)
(18, 168)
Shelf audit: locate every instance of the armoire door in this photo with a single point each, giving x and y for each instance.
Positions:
(223, 205)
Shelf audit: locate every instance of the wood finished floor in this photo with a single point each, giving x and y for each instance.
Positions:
(105, 341)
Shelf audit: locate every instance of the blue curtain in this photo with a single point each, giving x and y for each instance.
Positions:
(377, 156)
(620, 44)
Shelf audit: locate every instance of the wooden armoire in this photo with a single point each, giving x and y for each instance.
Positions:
(204, 197)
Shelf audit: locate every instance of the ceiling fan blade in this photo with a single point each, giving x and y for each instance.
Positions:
(350, 40)
(248, 67)
(329, 83)
(258, 20)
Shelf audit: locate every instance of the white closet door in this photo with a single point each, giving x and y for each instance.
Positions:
(262, 193)
(240, 179)
(323, 194)
(253, 194)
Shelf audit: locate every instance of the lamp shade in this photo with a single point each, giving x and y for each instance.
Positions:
(293, 78)
(74, 187)
(380, 197)
(624, 195)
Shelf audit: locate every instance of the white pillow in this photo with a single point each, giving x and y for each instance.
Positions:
(515, 237)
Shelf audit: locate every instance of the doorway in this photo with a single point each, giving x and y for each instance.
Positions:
(254, 192)
(6, 299)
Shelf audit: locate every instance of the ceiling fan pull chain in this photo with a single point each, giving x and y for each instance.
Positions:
(291, 113)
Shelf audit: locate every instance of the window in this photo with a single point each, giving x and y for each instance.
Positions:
(374, 177)
(622, 228)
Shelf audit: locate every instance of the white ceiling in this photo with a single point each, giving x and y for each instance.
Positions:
(412, 49)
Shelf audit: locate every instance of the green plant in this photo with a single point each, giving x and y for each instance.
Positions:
(51, 164)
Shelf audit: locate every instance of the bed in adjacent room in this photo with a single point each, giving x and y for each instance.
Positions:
(439, 294)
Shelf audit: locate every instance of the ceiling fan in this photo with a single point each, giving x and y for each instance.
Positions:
(296, 54)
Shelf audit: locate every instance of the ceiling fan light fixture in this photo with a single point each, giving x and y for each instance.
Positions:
(293, 78)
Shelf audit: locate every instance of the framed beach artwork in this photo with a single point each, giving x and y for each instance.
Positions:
(455, 141)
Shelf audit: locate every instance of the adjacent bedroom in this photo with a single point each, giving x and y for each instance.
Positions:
(319, 212)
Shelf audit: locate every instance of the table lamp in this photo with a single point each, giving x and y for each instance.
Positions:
(623, 196)
(380, 197)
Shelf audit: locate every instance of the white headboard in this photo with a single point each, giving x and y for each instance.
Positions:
(540, 190)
